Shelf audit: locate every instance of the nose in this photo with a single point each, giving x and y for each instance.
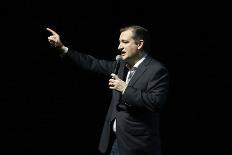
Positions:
(120, 47)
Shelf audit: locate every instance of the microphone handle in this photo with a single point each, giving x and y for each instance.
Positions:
(116, 67)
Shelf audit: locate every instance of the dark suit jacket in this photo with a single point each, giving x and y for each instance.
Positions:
(137, 110)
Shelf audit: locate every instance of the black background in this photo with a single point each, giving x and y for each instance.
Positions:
(49, 108)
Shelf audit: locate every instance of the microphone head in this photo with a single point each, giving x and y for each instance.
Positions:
(118, 57)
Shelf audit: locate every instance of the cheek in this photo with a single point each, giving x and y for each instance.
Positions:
(132, 51)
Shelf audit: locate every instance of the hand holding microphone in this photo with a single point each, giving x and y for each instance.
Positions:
(115, 82)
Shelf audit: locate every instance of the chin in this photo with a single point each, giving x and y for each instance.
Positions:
(124, 57)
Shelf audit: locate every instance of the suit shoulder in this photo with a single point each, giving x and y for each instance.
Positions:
(157, 64)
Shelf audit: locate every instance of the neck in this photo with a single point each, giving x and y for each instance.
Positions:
(131, 62)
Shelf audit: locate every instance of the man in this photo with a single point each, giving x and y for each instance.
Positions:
(139, 86)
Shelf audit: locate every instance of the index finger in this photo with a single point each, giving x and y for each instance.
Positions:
(50, 30)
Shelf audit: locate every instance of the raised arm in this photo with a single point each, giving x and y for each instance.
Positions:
(85, 61)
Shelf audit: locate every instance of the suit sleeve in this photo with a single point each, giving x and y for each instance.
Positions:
(90, 63)
(154, 95)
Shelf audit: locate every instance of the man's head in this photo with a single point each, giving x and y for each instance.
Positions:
(133, 41)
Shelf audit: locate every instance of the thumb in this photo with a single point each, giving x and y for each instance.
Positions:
(114, 76)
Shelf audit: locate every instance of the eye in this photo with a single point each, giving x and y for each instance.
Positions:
(124, 41)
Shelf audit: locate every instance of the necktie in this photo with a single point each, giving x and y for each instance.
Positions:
(131, 73)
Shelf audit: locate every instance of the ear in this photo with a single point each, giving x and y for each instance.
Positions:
(140, 44)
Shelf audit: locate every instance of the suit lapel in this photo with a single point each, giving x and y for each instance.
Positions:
(140, 70)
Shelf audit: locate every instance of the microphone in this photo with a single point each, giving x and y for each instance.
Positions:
(117, 58)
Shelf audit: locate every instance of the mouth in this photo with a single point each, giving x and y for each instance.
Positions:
(123, 53)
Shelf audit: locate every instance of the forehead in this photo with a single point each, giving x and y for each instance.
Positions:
(126, 35)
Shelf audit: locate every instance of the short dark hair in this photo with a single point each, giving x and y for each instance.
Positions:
(139, 33)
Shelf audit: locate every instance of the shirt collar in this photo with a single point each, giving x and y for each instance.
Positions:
(136, 65)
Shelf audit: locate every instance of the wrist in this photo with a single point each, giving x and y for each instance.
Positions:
(123, 90)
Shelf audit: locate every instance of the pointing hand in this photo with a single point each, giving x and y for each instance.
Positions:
(54, 39)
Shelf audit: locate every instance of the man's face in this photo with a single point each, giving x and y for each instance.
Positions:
(127, 45)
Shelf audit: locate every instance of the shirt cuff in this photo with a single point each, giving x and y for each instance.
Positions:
(63, 50)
